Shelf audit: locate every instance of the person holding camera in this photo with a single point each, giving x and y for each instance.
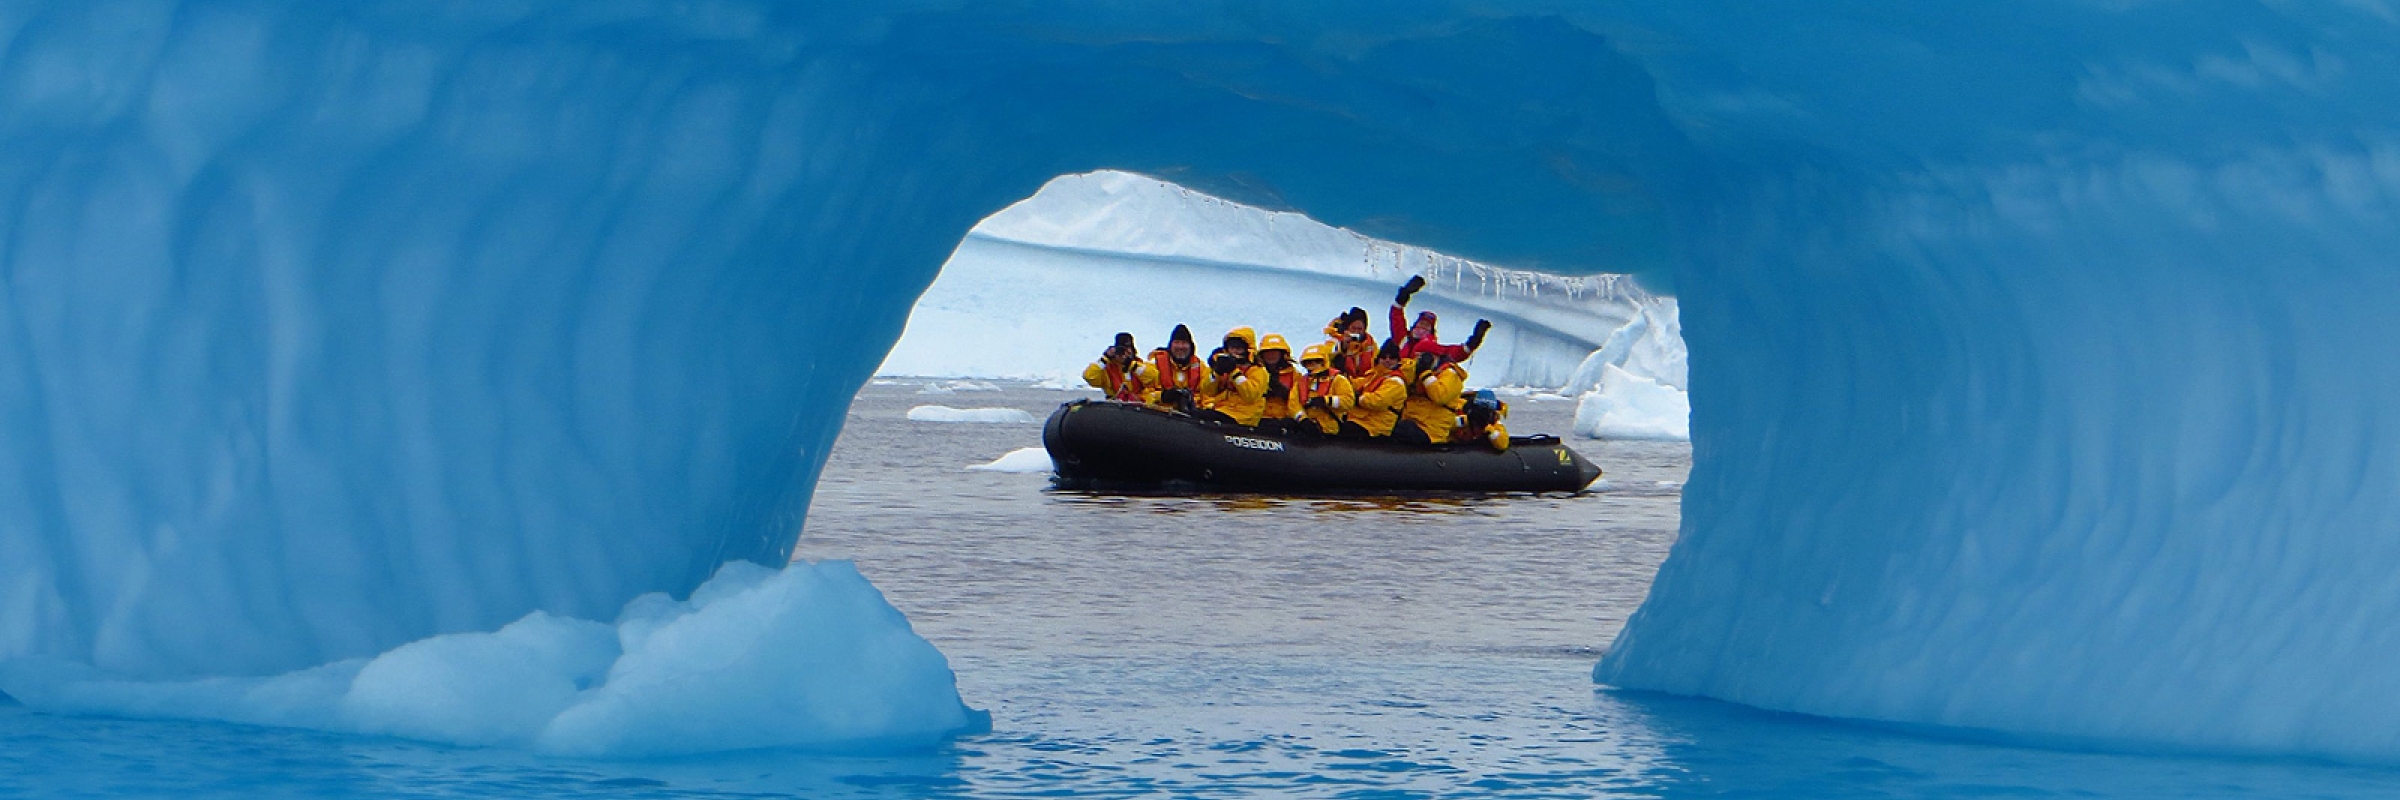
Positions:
(1234, 390)
(1176, 372)
(1351, 343)
(1324, 394)
(1431, 412)
(1120, 372)
(1483, 421)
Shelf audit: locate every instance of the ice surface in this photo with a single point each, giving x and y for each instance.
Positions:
(2038, 348)
(1020, 460)
(1038, 289)
(807, 657)
(983, 415)
(1629, 406)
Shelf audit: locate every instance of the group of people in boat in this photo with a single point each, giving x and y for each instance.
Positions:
(1409, 388)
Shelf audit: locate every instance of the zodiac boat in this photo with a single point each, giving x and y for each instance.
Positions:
(1095, 443)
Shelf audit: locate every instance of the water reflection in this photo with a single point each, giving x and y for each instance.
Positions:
(1707, 748)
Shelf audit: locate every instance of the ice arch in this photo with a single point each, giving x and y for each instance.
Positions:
(2038, 349)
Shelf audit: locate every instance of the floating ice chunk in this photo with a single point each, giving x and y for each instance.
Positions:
(1023, 459)
(807, 657)
(1629, 406)
(984, 415)
(954, 387)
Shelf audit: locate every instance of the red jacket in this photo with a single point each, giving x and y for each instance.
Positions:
(1409, 348)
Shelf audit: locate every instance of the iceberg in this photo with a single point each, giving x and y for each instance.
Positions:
(2037, 373)
(1035, 291)
(809, 657)
(1629, 406)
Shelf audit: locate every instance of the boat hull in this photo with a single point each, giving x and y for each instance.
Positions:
(1100, 443)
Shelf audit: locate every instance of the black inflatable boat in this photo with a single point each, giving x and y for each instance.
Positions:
(1097, 443)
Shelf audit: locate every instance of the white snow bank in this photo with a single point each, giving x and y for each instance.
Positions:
(1022, 460)
(1037, 290)
(807, 657)
(979, 415)
(1629, 406)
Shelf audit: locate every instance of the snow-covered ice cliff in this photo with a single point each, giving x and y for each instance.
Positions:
(1038, 289)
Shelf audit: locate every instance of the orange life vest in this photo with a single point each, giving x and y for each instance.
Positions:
(1186, 377)
(1124, 386)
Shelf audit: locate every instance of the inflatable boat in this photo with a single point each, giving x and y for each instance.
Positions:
(1102, 444)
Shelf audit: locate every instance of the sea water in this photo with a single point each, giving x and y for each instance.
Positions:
(1211, 646)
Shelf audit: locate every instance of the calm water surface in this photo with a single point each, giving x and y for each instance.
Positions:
(1210, 647)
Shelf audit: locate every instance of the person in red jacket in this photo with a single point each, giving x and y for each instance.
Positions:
(1419, 337)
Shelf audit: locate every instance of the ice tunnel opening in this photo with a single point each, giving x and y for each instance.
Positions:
(1036, 288)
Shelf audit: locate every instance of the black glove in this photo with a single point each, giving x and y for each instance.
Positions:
(1316, 402)
(1475, 340)
(1415, 282)
(1425, 363)
(1175, 398)
(1222, 363)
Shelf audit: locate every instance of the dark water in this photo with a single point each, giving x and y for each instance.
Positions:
(1210, 647)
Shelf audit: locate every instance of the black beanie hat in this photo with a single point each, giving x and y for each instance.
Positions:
(1390, 349)
(1181, 334)
(1125, 340)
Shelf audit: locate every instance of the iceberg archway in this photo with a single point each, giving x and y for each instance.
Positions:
(2037, 349)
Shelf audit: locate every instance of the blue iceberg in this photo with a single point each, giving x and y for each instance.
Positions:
(2040, 351)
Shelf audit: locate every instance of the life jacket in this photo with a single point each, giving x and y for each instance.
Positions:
(1330, 385)
(1355, 359)
(1125, 385)
(1170, 376)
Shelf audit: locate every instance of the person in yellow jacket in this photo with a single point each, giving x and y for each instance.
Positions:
(1431, 413)
(1323, 395)
(1275, 358)
(1483, 422)
(1234, 390)
(1351, 343)
(1381, 393)
(1121, 374)
(1176, 372)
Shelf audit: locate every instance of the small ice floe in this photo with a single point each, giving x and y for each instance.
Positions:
(882, 382)
(1020, 460)
(1059, 383)
(954, 387)
(983, 415)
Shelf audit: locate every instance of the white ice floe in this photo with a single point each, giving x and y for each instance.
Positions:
(809, 657)
(1020, 460)
(1629, 406)
(977, 415)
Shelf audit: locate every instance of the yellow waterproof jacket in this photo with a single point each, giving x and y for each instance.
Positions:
(1280, 381)
(1433, 400)
(1495, 434)
(1339, 399)
(1132, 384)
(1380, 395)
(1240, 394)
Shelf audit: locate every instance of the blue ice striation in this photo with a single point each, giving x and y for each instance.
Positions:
(2041, 352)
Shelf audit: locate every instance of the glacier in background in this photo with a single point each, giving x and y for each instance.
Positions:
(2037, 348)
(1035, 291)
